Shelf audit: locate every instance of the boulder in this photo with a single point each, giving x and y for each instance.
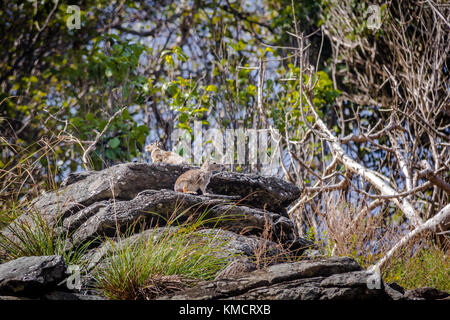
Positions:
(100, 203)
(28, 276)
(149, 206)
(70, 296)
(126, 181)
(426, 293)
(13, 298)
(237, 268)
(326, 279)
(268, 193)
(395, 291)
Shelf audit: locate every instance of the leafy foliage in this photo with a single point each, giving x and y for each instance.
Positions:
(62, 83)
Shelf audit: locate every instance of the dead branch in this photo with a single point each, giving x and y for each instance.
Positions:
(441, 218)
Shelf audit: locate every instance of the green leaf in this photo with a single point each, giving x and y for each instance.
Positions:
(110, 154)
(212, 88)
(77, 122)
(126, 114)
(183, 118)
(184, 126)
(169, 60)
(143, 129)
(172, 89)
(89, 116)
(180, 54)
(114, 143)
(117, 47)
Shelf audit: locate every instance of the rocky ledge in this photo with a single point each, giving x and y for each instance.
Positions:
(248, 211)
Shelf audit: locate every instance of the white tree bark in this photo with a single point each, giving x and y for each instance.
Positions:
(369, 175)
(442, 217)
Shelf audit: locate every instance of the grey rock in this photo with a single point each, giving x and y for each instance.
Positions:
(83, 189)
(148, 206)
(235, 245)
(359, 293)
(69, 296)
(100, 203)
(394, 291)
(31, 275)
(76, 220)
(396, 287)
(75, 177)
(349, 279)
(295, 280)
(336, 278)
(426, 293)
(237, 268)
(296, 289)
(311, 268)
(270, 193)
(352, 285)
(11, 298)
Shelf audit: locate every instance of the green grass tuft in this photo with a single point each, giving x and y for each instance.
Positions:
(161, 263)
(36, 236)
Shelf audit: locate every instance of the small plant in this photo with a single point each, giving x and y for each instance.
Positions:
(420, 264)
(7, 215)
(36, 236)
(429, 267)
(267, 251)
(167, 260)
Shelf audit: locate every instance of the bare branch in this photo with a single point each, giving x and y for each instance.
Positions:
(431, 224)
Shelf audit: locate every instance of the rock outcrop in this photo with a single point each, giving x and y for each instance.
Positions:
(126, 181)
(149, 205)
(266, 258)
(31, 275)
(99, 203)
(321, 279)
(426, 293)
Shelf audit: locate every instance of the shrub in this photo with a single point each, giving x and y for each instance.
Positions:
(168, 259)
(429, 267)
(37, 236)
